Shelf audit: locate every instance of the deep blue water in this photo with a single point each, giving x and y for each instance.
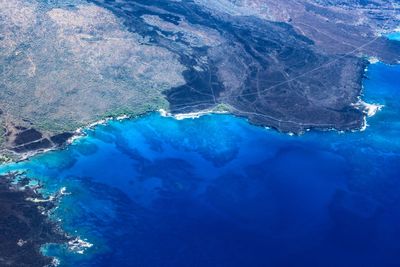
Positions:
(217, 191)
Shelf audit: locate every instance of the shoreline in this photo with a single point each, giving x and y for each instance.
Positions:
(79, 245)
(18, 198)
(368, 110)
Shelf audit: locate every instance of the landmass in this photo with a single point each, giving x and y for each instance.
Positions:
(290, 65)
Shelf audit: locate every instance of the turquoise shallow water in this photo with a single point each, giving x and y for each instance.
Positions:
(217, 191)
(394, 36)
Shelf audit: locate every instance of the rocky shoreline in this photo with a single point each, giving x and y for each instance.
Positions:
(25, 225)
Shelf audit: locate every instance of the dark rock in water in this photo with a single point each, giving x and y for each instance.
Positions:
(24, 225)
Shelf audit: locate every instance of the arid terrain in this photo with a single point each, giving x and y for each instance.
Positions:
(291, 65)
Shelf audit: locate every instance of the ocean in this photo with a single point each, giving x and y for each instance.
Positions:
(394, 36)
(218, 191)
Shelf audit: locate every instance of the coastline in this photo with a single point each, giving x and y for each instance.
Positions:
(330, 142)
(368, 110)
(190, 115)
(302, 78)
(25, 235)
(80, 245)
